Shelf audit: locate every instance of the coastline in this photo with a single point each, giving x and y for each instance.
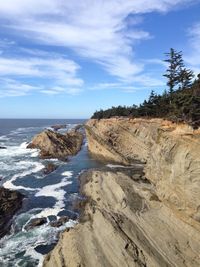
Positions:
(127, 220)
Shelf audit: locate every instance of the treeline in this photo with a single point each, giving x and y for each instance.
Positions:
(180, 103)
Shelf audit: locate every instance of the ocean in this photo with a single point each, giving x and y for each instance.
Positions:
(47, 196)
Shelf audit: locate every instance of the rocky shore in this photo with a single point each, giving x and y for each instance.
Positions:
(55, 145)
(143, 214)
(11, 201)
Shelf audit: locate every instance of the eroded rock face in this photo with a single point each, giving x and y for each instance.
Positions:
(131, 221)
(10, 202)
(56, 145)
(171, 153)
(125, 224)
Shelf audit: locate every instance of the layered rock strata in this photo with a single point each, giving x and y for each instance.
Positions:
(132, 220)
(171, 153)
(125, 224)
(55, 145)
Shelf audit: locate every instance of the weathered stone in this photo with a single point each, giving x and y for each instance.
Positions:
(59, 126)
(10, 202)
(129, 220)
(171, 153)
(35, 222)
(59, 222)
(56, 145)
(124, 224)
(50, 167)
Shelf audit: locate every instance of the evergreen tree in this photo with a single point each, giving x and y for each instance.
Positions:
(185, 78)
(172, 74)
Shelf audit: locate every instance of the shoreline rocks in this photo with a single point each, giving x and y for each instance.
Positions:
(59, 126)
(170, 151)
(56, 145)
(135, 216)
(125, 224)
(49, 168)
(10, 203)
(34, 223)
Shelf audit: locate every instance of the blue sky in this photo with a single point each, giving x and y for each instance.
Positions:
(66, 59)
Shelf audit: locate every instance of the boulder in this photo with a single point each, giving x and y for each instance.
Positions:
(62, 220)
(50, 167)
(56, 145)
(59, 126)
(35, 222)
(10, 202)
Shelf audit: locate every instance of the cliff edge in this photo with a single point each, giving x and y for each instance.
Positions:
(130, 219)
(171, 153)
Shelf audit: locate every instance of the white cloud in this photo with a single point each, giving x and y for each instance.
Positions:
(193, 56)
(56, 74)
(95, 29)
(11, 87)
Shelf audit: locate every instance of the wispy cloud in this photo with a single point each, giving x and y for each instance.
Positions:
(98, 30)
(193, 56)
(56, 74)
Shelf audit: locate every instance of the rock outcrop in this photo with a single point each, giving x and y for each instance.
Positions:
(171, 153)
(49, 168)
(125, 224)
(34, 223)
(10, 202)
(130, 220)
(59, 126)
(56, 145)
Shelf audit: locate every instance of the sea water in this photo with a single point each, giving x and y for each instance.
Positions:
(49, 196)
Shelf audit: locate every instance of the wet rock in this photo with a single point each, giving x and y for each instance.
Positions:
(78, 127)
(59, 222)
(59, 126)
(56, 145)
(3, 147)
(35, 222)
(50, 167)
(10, 202)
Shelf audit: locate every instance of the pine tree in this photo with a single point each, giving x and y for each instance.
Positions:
(175, 67)
(185, 78)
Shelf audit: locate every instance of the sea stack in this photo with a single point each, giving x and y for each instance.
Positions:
(55, 145)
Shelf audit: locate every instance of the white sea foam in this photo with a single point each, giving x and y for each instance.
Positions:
(56, 191)
(67, 174)
(27, 241)
(36, 167)
(4, 138)
(118, 166)
(13, 151)
(86, 144)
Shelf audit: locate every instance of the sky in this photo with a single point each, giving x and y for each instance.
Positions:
(69, 58)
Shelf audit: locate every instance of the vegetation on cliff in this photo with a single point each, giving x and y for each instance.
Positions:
(181, 102)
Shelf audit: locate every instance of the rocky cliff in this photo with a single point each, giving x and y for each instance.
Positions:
(171, 153)
(129, 219)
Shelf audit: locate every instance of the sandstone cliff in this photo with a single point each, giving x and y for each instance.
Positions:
(56, 145)
(129, 220)
(125, 224)
(171, 153)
